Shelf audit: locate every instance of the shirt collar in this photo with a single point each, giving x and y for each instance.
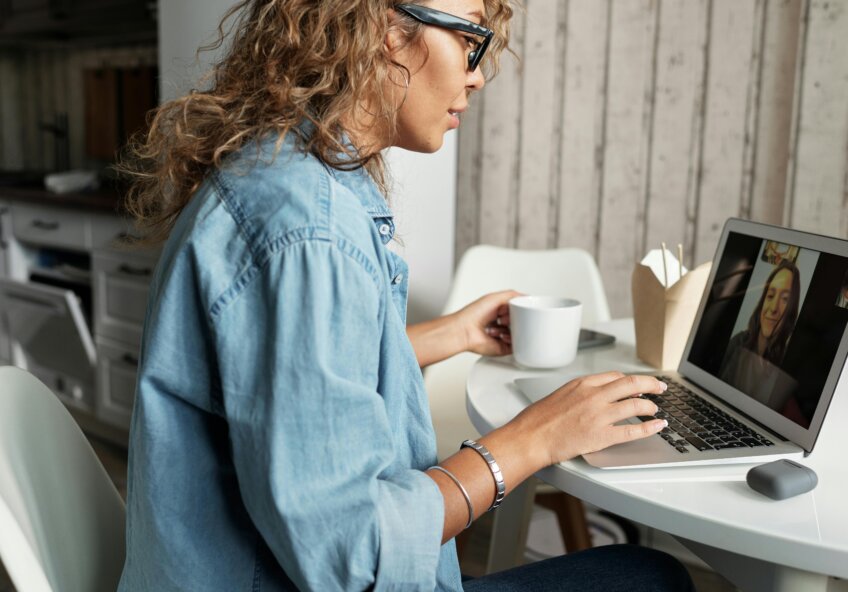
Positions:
(357, 180)
(360, 183)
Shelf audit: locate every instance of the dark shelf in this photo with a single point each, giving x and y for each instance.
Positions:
(83, 21)
(103, 200)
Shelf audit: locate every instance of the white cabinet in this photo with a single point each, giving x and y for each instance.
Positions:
(121, 283)
(45, 303)
(117, 367)
(65, 228)
(72, 304)
(52, 227)
(49, 335)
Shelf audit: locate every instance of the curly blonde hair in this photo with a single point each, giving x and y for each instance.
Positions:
(288, 61)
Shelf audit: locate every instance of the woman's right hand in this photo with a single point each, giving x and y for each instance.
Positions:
(577, 418)
(580, 416)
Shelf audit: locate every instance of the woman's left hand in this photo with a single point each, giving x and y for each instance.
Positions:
(485, 324)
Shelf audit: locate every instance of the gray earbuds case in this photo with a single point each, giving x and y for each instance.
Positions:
(781, 479)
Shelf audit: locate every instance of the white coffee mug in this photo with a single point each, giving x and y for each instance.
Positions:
(545, 330)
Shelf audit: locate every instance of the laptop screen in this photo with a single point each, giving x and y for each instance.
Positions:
(772, 323)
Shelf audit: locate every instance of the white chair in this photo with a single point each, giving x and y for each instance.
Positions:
(61, 518)
(483, 269)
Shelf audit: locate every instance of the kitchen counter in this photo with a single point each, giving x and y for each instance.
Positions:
(102, 200)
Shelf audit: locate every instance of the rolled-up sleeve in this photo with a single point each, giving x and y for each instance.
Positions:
(312, 442)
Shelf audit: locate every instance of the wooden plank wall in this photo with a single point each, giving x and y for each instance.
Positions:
(36, 83)
(630, 122)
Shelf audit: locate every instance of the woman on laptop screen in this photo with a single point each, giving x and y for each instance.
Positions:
(753, 357)
(281, 437)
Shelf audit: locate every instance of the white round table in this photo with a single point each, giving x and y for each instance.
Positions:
(757, 543)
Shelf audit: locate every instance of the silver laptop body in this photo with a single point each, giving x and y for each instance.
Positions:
(768, 368)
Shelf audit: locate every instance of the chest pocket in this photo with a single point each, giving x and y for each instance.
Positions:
(399, 282)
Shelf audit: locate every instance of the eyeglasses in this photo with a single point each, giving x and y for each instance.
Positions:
(437, 18)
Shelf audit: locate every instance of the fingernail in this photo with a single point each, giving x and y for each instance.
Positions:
(663, 386)
(664, 424)
(489, 330)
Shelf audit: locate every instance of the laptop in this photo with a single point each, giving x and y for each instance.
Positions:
(762, 361)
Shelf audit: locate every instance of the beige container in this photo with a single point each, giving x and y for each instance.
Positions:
(664, 316)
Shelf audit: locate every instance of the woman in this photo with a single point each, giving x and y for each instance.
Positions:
(281, 438)
(753, 355)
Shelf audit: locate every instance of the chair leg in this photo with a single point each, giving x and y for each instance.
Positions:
(509, 529)
(571, 516)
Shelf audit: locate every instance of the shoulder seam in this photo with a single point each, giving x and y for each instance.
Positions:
(278, 247)
(242, 221)
(235, 211)
(329, 196)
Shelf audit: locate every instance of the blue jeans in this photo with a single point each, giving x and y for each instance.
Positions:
(627, 568)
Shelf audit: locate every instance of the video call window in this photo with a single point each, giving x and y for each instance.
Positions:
(842, 298)
(770, 327)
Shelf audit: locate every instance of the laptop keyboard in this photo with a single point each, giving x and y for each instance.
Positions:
(696, 424)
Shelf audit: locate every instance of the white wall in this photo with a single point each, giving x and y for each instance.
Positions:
(185, 25)
(424, 184)
(424, 200)
(625, 124)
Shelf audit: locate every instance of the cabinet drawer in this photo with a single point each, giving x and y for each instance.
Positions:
(5, 349)
(5, 345)
(121, 283)
(117, 368)
(48, 335)
(53, 227)
(107, 231)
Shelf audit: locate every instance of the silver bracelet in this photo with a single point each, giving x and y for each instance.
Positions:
(462, 489)
(500, 486)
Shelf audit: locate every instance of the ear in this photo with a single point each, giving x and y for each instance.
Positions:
(394, 36)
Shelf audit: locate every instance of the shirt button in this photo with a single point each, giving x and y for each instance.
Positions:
(385, 229)
(397, 279)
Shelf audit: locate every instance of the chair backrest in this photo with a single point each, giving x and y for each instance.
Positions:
(483, 269)
(61, 518)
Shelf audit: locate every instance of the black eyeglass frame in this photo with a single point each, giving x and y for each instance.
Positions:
(445, 20)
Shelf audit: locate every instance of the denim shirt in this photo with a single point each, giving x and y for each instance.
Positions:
(281, 427)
